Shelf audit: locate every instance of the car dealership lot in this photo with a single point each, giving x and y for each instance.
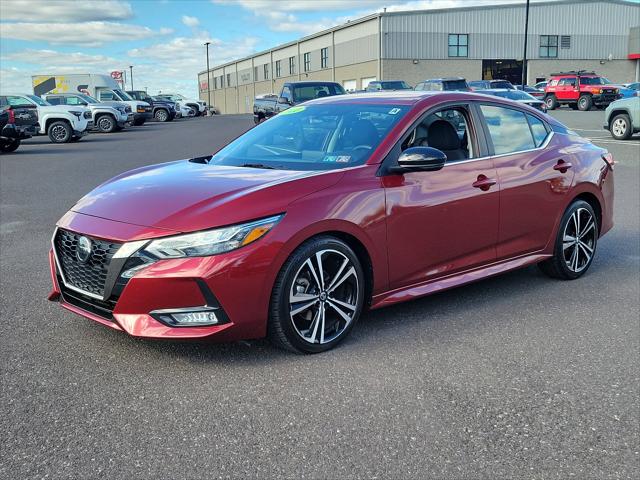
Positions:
(514, 376)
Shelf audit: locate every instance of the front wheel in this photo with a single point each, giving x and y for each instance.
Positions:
(317, 298)
(552, 102)
(575, 244)
(59, 132)
(161, 115)
(106, 124)
(585, 102)
(620, 127)
(9, 145)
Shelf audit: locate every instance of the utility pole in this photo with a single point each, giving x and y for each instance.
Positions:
(208, 80)
(131, 70)
(124, 79)
(524, 57)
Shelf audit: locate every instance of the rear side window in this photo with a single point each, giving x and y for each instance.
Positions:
(538, 130)
(54, 100)
(509, 129)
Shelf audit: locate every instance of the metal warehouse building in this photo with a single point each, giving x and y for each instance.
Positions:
(472, 42)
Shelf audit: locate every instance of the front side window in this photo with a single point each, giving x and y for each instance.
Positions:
(548, 46)
(292, 65)
(458, 45)
(568, 81)
(314, 137)
(73, 101)
(16, 101)
(324, 57)
(508, 128)
(538, 129)
(278, 68)
(307, 62)
(594, 81)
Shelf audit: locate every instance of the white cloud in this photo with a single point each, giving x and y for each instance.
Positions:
(87, 34)
(65, 10)
(301, 5)
(190, 21)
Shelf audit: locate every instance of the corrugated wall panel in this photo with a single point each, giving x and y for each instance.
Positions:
(357, 51)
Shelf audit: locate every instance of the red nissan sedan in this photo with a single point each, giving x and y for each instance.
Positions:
(335, 206)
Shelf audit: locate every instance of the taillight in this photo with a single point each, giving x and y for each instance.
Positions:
(12, 116)
(608, 158)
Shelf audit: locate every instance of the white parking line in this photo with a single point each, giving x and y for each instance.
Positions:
(612, 141)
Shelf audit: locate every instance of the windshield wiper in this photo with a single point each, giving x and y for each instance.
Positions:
(258, 165)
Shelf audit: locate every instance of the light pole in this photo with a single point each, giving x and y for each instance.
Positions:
(524, 57)
(208, 80)
(131, 70)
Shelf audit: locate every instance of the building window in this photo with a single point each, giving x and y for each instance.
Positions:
(307, 62)
(565, 41)
(458, 45)
(548, 46)
(228, 79)
(255, 74)
(324, 57)
(266, 71)
(278, 68)
(292, 65)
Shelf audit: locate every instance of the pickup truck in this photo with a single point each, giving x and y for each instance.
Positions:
(293, 93)
(61, 123)
(16, 124)
(107, 117)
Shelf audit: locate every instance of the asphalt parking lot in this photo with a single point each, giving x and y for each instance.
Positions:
(516, 376)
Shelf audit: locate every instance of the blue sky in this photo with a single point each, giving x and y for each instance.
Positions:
(163, 39)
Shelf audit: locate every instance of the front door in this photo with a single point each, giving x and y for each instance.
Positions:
(442, 222)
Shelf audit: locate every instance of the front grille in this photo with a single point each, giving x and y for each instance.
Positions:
(101, 308)
(89, 276)
(87, 114)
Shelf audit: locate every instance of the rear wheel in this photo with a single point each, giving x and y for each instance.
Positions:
(552, 102)
(9, 145)
(317, 298)
(575, 244)
(620, 127)
(585, 102)
(106, 123)
(59, 132)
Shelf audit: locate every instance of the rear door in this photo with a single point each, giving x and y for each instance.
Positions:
(534, 176)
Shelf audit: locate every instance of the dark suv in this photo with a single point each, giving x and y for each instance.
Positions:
(580, 90)
(163, 110)
(490, 84)
(442, 84)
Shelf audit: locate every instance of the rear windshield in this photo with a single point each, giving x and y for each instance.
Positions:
(501, 84)
(303, 93)
(313, 137)
(455, 85)
(400, 85)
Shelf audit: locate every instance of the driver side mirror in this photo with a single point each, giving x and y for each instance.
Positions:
(284, 100)
(419, 159)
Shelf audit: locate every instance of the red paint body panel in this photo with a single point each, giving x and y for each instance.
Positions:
(420, 232)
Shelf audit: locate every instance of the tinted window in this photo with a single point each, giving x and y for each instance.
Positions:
(538, 129)
(54, 100)
(456, 85)
(592, 81)
(314, 137)
(394, 85)
(508, 128)
(309, 92)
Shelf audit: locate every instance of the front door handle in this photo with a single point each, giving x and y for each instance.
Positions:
(562, 166)
(484, 183)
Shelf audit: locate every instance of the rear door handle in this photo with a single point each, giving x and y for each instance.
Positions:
(562, 166)
(484, 183)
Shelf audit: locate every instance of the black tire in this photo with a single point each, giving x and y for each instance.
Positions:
(9, 145)
(138, 122)
(60, 131)
(559, 266)
(106, 123)
(585, 102)
(287, 333)
(161, 115)
(620, 127)
(552, 102)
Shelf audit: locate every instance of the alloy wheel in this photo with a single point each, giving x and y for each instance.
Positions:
(619, 127)
(323, 298)
(161, 116)
(104, 124)
(578, 243)
(59, 132)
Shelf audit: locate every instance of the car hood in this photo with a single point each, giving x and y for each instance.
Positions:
(62, 109)
(187, 196)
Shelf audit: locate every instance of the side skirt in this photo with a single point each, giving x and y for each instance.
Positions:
(455, 280)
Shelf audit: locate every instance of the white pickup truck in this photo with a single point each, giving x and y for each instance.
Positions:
(107, 117)
(61, 123)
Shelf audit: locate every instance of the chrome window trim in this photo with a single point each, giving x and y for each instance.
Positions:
(124, 252)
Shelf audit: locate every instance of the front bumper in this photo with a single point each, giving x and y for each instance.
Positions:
(605, 98)
(222, 281)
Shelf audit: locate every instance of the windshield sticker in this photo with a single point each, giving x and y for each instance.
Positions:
(337, 159)
(291, 110)
(394, 111)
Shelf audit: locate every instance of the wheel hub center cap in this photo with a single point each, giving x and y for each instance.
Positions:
(323, 296)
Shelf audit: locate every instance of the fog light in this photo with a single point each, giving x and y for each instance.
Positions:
(190, 317)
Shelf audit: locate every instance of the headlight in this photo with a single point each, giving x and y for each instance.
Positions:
(76, 113)
(211, 242)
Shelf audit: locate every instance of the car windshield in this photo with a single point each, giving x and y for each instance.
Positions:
(122, 95)
(593, 81)
(313, 137)
(38, 101)
(302, 93)
(88, 99)
(400, 85)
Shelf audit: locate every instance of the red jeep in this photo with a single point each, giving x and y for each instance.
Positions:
(580, 90)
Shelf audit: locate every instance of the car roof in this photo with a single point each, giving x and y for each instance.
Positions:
(444, 79)
(311, 82)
